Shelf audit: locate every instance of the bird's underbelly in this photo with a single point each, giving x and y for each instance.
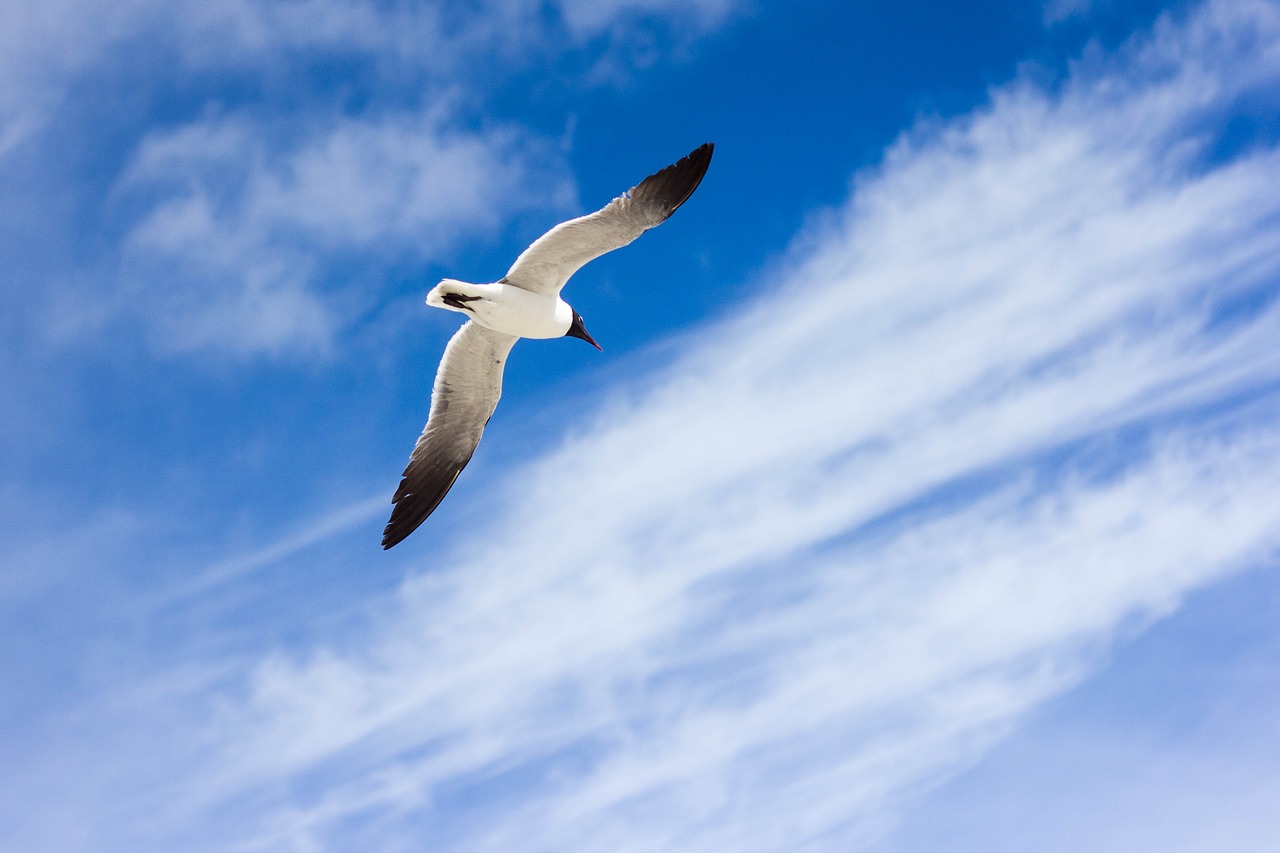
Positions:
(504, 308)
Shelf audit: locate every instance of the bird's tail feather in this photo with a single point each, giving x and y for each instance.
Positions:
(444, 294)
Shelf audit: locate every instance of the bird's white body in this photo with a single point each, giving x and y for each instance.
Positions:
(505, 308)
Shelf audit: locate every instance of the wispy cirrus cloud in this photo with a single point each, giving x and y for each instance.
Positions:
(43, 47)
(585, 19)
(1172, 747)
(232, 245)
(1015, 400)
(48, 47)
(236, 208)
(1057, 11)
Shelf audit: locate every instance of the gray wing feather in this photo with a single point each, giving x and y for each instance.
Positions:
(467, 387)
(545, 266)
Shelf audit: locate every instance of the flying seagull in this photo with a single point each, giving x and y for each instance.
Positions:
(526, 303)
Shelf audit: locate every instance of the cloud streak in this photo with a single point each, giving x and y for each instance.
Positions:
(233, 243)
(237, 209)
(49, 47)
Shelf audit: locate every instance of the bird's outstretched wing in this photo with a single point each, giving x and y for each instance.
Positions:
(545, 266)
(468, 385)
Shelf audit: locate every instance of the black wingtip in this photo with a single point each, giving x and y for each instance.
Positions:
(395, 532)
(406, 517)
(672, 186)
(411, 508)
(400, 526)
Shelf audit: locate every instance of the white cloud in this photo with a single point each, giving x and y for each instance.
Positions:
(586, 19)
(435, 36)
(245, 209)
(689, 704)
(841, 545)
(230, 252)
(1174, 748)
(1057, 11)
(45, 47)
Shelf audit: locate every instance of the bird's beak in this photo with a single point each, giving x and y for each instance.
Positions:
(579, 331)
(586, 337)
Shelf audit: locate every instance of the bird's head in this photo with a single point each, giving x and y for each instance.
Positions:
(579, 331)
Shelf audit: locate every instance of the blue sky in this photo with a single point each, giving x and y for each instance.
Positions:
(922, 499)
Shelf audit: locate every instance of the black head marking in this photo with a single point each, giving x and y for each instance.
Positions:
(579, 331)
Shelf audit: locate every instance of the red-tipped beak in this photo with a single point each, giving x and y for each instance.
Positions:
(579, 331)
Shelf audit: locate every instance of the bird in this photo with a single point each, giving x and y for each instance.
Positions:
(525, 303)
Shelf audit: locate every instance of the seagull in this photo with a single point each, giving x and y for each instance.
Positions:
(526, 303)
